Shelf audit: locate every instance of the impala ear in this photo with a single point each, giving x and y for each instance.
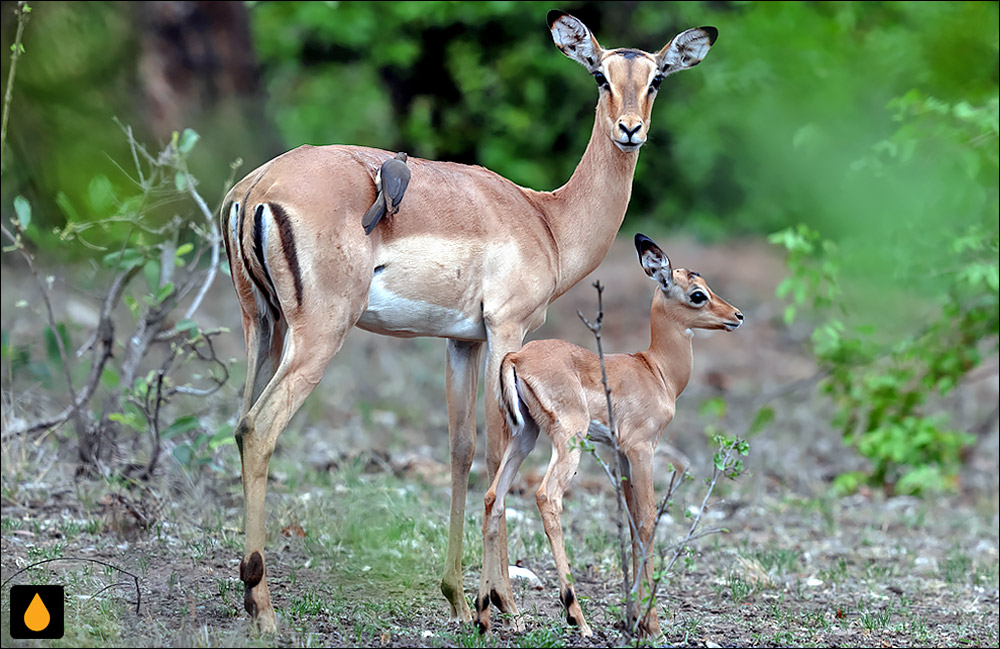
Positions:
(686, 50)
(654, 261)
(573, 38)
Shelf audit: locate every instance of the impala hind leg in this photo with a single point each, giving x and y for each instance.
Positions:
(264, 339)
(562, 468)
(494, 585)
(301, 367)
(462, 384)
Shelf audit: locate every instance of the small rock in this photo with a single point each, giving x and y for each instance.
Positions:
(525, 575)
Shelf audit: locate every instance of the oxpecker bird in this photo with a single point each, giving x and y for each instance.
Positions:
(390, 181)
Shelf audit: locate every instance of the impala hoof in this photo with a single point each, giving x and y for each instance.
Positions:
(483, 614)
(456, 600)
(256, 598)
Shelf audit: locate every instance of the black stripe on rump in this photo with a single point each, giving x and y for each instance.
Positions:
(242, 249)
(288, 247)
(258, 247)
(226, 228)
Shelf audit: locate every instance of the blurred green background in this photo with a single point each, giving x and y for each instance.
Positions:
(875, 124)
(789, 120)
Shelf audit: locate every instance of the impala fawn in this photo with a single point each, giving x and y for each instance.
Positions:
(556, 386)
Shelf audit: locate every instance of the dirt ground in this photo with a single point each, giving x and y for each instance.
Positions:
(798, 566)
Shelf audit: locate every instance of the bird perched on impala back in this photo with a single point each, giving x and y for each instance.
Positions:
(390, 181)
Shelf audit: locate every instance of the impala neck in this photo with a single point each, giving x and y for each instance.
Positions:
(586, 212)
(670, 349)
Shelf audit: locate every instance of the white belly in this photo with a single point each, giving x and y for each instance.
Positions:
(393, 315)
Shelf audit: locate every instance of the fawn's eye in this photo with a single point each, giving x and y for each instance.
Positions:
(654, 85)
(698, 298)
(602, 82)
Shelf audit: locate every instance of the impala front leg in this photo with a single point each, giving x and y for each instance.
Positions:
(643, 506)
(462, 385)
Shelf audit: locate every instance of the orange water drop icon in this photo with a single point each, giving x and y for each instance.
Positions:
(37, 616)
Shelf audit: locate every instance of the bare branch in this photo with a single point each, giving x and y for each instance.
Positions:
(23, 13)
(620, 469)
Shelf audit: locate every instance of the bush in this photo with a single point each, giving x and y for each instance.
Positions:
(885, 385)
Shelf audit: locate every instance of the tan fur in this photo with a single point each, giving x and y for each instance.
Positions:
(470, 256)
(559, 384)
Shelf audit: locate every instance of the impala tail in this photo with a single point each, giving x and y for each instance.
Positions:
(515, 410)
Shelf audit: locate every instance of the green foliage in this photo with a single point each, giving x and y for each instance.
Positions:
(793, 94)
(761, 136)
(133, 390)
(884, 381)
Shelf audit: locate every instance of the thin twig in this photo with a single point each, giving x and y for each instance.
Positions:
(138, 592)
(23, 13)
(620, 468)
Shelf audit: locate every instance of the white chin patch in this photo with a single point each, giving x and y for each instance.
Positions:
(628, 148)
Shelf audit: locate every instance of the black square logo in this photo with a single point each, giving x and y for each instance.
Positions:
(36, 612)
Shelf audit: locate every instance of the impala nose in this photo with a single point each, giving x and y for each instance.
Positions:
(629, 132)
(739, 316)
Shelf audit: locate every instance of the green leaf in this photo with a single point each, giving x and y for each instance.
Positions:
(151, 270)
(189, 138)
(101, 195)
(23, 210)
(124, 259)
(183, 454)
(187, 324)
(180, 181)
(222, 437)
(165, 291)
(180, 425)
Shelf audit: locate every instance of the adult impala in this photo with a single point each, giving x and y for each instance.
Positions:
(470, 257)
(556, 386)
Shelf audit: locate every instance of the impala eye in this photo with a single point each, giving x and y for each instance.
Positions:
(602, 82)
(698, 298)
(655, 83)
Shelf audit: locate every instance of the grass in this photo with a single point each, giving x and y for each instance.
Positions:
(367, 570)
(956, 568)
(875, 620)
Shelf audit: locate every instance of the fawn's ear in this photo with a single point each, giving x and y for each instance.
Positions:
(686, 50)
(654, 261)
(573, 38)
